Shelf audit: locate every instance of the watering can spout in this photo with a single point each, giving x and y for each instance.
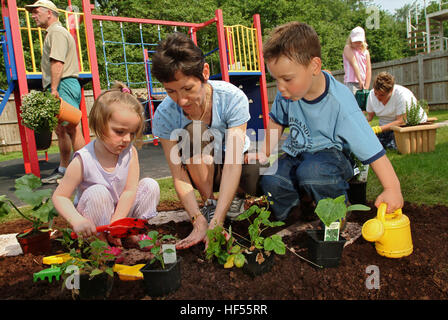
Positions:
(390, 232)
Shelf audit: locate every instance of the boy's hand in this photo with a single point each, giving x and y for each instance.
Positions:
(392, 198)
(253, 157)
(377, 129)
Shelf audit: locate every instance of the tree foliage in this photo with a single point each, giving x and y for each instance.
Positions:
(332, 19)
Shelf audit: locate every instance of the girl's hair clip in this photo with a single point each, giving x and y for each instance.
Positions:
(125, 90)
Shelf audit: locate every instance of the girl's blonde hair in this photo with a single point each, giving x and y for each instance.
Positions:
(349, 42)
(101, 111)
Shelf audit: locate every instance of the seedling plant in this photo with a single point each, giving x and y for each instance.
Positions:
(230, 252)
(155, 241)
(332, 210)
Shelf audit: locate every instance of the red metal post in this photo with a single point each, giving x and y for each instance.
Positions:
(222, 46)
(87, 8)
(29, 151)
(263, 85)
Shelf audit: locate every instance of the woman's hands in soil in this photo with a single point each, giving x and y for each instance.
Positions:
(198, 234)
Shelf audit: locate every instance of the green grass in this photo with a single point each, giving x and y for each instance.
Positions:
(19, 154)
(423, 176)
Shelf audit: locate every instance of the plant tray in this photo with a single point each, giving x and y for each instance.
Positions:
(416, 139)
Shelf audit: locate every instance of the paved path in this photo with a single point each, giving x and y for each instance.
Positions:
(151, 158)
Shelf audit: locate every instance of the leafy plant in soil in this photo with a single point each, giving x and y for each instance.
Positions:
(414, 112)
(330, 210)
(42, 209)
(98, 258)
(154, 242)
(231, 252)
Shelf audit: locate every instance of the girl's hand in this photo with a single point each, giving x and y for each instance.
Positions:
(84, 228)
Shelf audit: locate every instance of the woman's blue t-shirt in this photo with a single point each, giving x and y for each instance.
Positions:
(230, 109)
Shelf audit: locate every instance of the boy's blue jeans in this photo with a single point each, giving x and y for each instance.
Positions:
(322, 174)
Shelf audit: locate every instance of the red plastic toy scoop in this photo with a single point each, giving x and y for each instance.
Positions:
(122, 228)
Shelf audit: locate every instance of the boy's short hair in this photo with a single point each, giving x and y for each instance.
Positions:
(101, 111)
(297, 41)
(177, 53)
(384, 82)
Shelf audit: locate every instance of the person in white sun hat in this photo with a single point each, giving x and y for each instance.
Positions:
(60, 72)
(356, 57)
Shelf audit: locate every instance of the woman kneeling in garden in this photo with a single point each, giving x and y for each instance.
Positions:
(202, 127)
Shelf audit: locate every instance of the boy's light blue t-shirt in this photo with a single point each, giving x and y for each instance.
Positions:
(332, 120)
(230, 109)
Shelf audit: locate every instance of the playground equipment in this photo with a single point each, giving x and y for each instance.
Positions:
(425, 32)
(240, 62)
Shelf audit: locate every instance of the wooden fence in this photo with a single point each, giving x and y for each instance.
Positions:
(426, 75)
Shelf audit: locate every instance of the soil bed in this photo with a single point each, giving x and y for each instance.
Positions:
(422, 275)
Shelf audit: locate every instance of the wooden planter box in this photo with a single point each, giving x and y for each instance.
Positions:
(416, 139)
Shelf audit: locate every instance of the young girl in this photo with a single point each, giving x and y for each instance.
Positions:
(356, 57)
(105, 172)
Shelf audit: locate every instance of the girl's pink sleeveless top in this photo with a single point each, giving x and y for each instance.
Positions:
(93, 173)
(361, 58)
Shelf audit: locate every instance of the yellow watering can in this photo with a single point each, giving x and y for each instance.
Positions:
(391, 233)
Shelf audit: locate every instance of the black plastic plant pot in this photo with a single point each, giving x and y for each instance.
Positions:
(324, 253)
(160, 282)
(253, 268)
(43, 139)
(97, 288)
(357, 192)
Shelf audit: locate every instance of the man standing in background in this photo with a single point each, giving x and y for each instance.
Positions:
(60, 71)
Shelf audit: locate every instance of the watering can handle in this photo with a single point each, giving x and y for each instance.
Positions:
(382, 212)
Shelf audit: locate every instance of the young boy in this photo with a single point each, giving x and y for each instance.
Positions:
(324, 121)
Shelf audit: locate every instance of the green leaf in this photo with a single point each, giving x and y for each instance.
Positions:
(239, 260)
(275, 243)
(235, 249)
(5, 208)
(110, 272)
(95, 272)
(33, 198)
(167, 237)
(29, 181)
(330, 210)
(358, 207)
(246, 214)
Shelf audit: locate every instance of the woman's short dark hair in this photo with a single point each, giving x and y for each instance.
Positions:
(177, 53)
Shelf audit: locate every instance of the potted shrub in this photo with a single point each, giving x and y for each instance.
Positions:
(41, 112)
(254, 255)
(162, 274)
(94, 276)
(325, 246)
(358, 184)
(36, 239)
(414, 136)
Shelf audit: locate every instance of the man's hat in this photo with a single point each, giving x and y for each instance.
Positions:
(42, 3)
